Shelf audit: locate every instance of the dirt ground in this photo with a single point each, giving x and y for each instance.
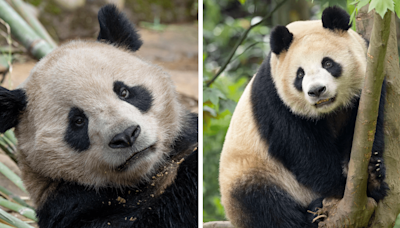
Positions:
(175, 49)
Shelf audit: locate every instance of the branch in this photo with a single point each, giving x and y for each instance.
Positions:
(242, 38)
(218, 224)
(355, 209)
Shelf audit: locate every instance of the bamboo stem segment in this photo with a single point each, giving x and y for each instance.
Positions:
(23, 32)
(20, 7)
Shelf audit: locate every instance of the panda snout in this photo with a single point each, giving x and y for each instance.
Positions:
(125, 139)
(317, 91)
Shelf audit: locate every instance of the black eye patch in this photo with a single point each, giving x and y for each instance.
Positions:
(334, 68)
(138, 96)
(299, 79)
(76, 135)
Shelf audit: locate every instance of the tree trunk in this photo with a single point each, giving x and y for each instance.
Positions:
(355, 209)
(389, 207)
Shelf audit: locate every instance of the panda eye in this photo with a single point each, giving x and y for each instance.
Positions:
(300, 74)
(79, 121)
(327, 64)
(124, 93)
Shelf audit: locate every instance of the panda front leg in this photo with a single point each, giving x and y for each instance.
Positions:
(266, 205)
(377, 187)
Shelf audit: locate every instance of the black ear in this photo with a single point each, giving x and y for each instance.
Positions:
(280, 39)
(12, 103)
(116, 29)
(335, 18)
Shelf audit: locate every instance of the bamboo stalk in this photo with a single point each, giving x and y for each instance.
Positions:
(2, 225)
(13, 220)
(8, 149)
(20, 7)
(23, 32)
(11, 137)
(25, 211)
(12, 176)
(14, 197)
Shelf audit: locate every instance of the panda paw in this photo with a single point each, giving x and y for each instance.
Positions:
(312, 212)
(377, 187)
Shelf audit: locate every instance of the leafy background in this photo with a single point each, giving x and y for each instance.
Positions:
(224, 23)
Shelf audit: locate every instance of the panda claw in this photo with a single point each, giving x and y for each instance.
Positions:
(377, 164)
(379, 161)
(377, 170)
(376, 153)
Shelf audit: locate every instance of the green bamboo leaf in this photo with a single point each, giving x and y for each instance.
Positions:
(242, 1)
(353, 15)
(12, 176)
(381, 6)
(13, 220)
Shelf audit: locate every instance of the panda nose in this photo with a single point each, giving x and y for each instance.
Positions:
(126, 138)
(316, 91)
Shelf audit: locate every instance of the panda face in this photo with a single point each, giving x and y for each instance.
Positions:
(321, 71)
(97, 115)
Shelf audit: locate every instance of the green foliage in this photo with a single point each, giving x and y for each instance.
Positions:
(221, 32)
(397, 223)
(381, 6)
(326, 3)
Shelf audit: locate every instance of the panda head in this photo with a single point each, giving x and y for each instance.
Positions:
(318, 66)
(93, 112)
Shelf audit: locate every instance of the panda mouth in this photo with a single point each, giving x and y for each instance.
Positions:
(324, 102)
(133, 158)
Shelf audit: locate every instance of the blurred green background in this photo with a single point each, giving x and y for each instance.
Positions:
(224, 23)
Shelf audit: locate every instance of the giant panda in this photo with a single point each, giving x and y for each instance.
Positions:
(289, 141)
(102, 137)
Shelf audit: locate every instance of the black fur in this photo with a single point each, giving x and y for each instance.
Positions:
(185, 141)
(335, 70)
(378, 148)
(116, 29)
(77, 136)
(270, 206)
(335, 18)
(280, 39)
(12, 103)
(298, 81)
(139, 96)
(309, 148)
(74, 205)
